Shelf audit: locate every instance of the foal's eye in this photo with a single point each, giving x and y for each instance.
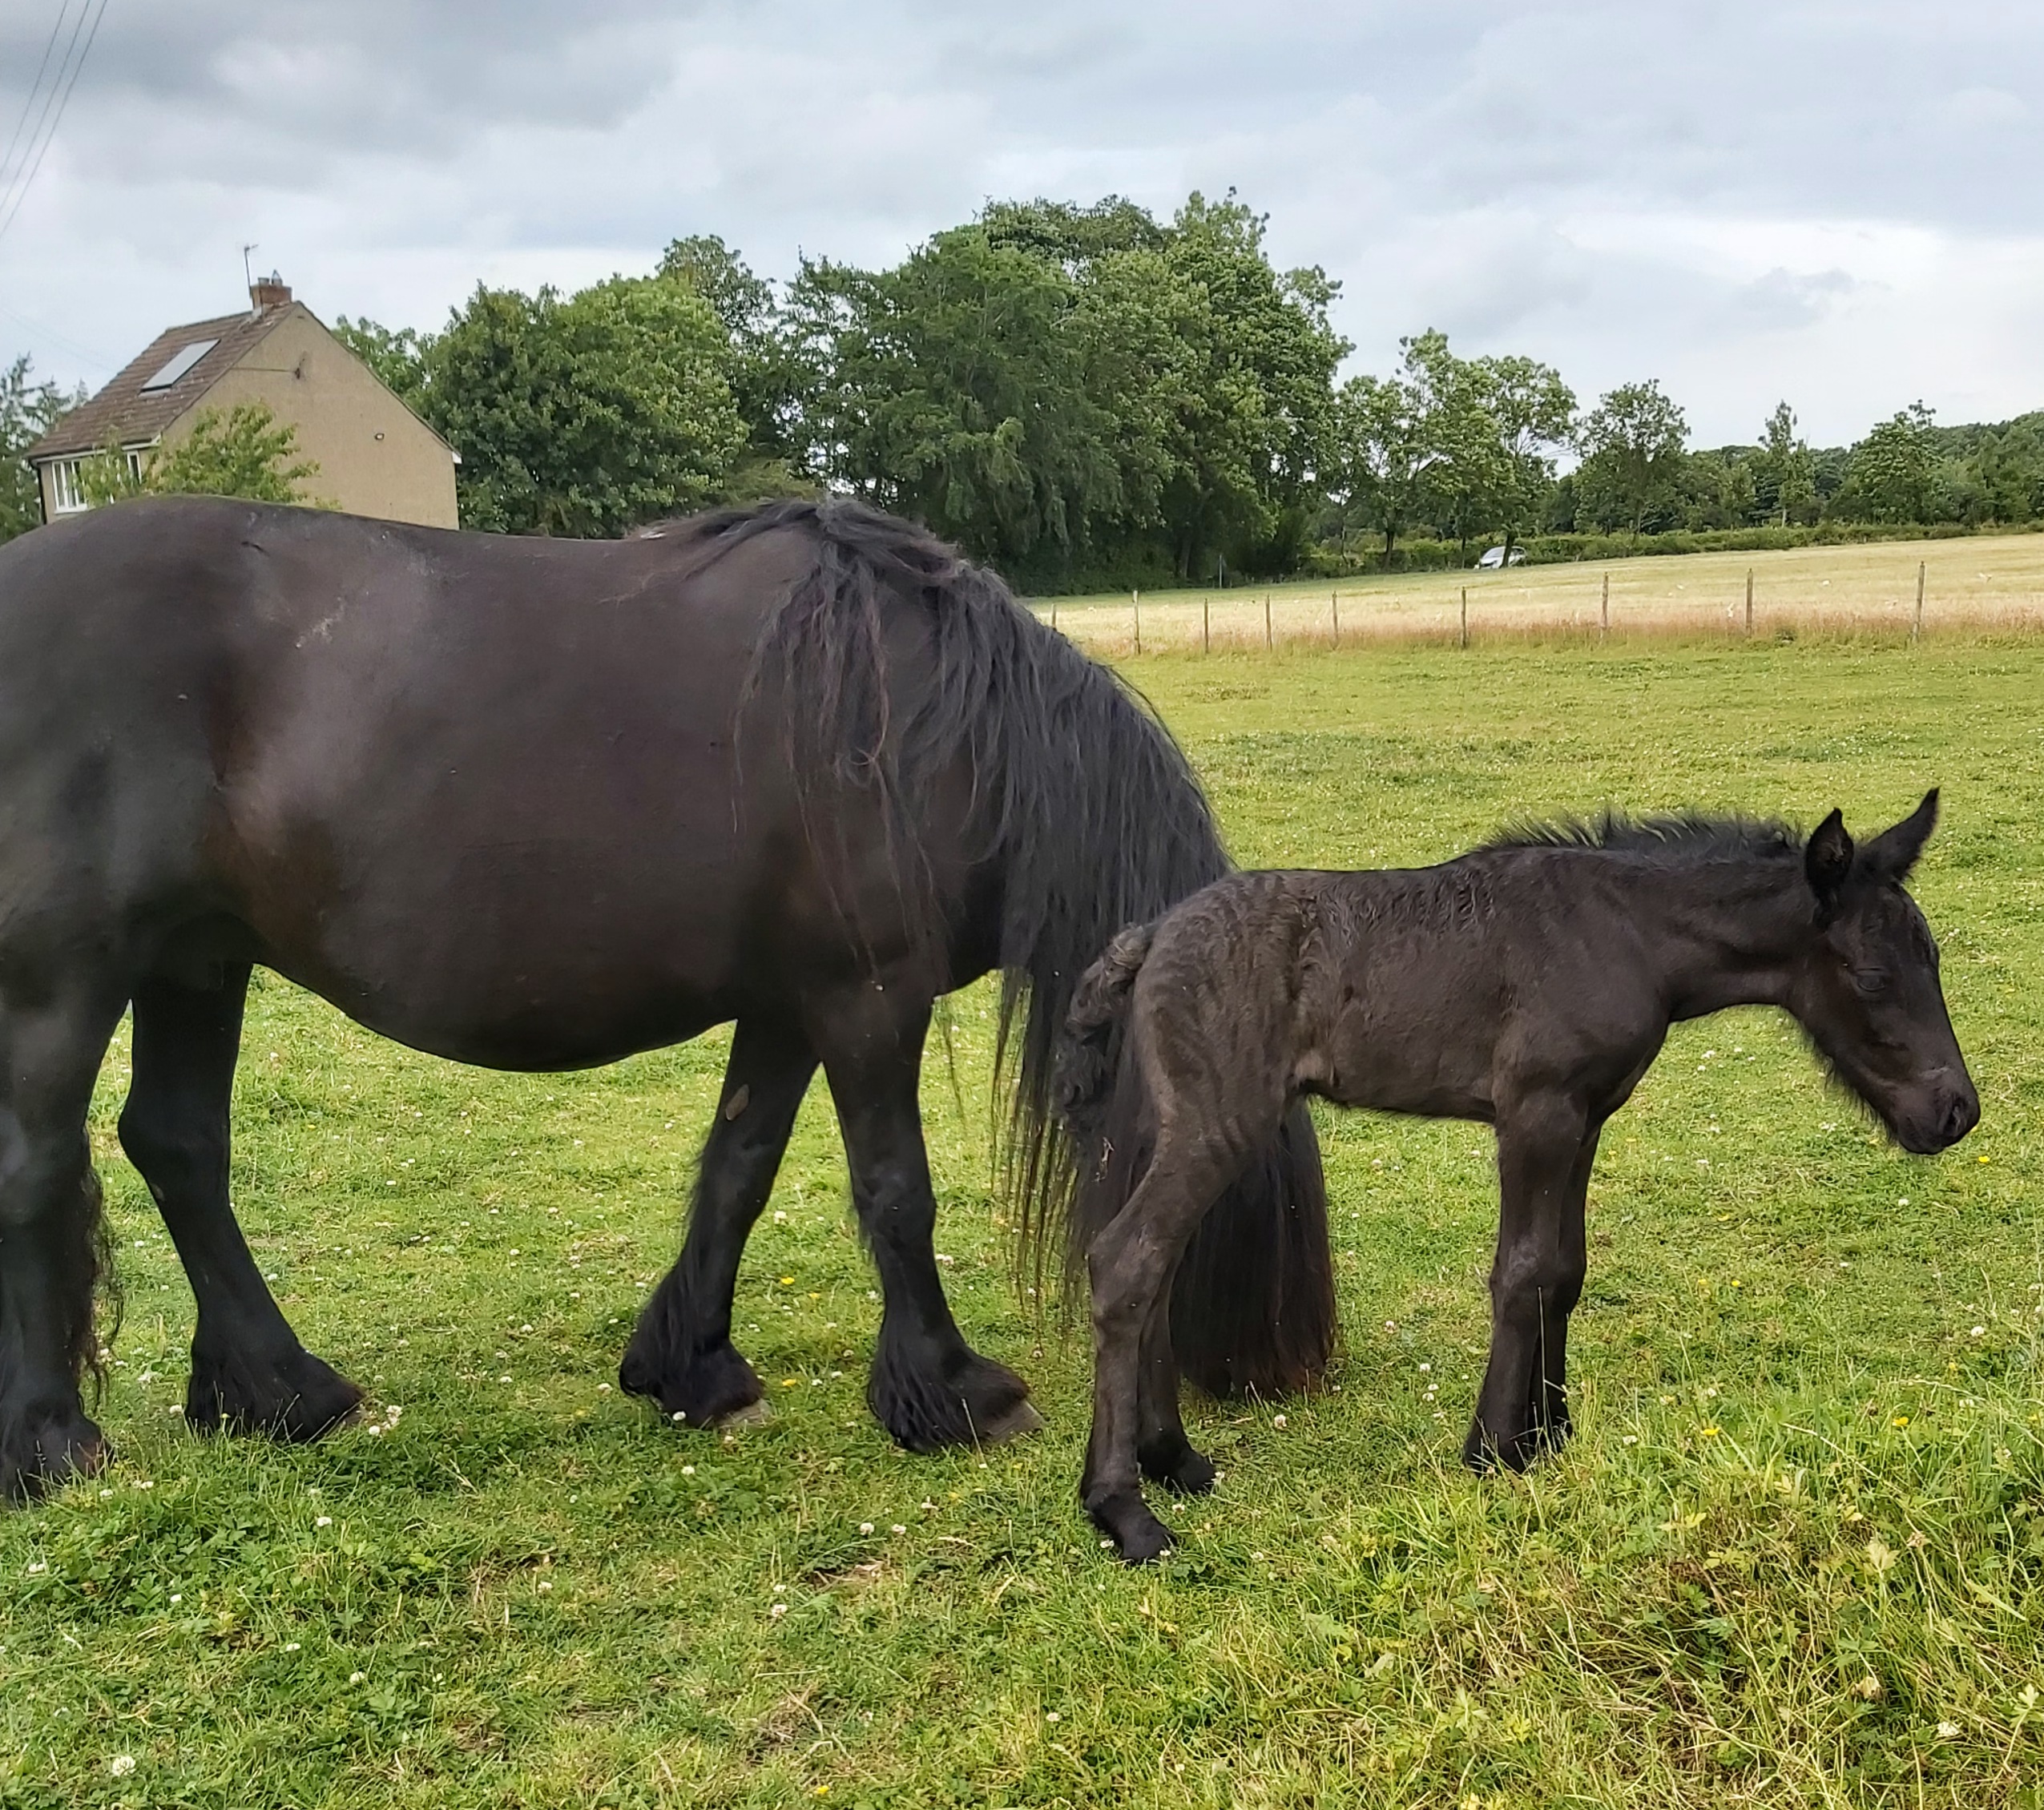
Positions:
(1868, 981)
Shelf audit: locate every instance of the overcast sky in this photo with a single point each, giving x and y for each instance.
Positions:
(1839, 204)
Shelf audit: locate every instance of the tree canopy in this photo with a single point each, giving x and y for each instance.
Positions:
(1085, 395)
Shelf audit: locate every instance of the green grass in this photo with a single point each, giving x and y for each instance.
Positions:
(1795, 1555)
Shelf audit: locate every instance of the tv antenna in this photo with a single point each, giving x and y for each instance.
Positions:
(247, 277)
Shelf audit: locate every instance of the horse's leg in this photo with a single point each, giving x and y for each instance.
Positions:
(1164, 1453)
(1544, 1146)
(681, 1354)
(49, 1235)
(1130, 1264)
(249, 1373)
(928, 1388)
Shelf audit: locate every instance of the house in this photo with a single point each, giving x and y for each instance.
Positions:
(375, 456)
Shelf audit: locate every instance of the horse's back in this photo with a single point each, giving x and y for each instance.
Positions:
(482, 791)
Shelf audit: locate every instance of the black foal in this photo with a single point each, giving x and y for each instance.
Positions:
(1528, 985)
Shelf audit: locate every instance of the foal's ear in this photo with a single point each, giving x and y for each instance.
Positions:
(1893, 853)
(1827, 859)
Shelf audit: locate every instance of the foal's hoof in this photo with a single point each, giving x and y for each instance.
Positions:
(295, 1398)
(708, 1388)
(38, 1456)
(752, 1414)
(1140, 1536)
(1484, 1454)
(1177, 1466)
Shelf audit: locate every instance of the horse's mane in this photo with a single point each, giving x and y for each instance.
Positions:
(1094, 821)
(1681, 837)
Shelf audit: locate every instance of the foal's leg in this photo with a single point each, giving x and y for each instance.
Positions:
(681, 1352)
(928, 1388)
(50, 1051)
(249, 1373)
(1166, 1455)
(1130, 1264)
(1551, 1395)
(1545, 1148)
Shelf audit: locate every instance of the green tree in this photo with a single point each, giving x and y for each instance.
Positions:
(1784, 472)
(28, 410)
(954, 394)
(1632, 442)
(1383, 453)
(586, 415)
(1468, 468)
(1893, 475)
(769, 380)
(1531, 412)
(1255, 425)
(245, 452)
(1066, 389)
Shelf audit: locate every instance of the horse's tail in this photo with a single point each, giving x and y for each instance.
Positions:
(1091, 816)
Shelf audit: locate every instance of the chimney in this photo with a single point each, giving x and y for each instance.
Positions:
(267, 292)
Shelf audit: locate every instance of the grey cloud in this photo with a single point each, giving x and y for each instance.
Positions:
(1433, 158)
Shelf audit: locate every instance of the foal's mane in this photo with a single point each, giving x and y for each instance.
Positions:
(1678, 839)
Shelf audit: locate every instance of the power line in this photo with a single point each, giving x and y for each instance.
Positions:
(63, 100)
(28, 104)
(49, 103)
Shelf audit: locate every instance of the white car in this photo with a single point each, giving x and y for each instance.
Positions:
(1494, 557)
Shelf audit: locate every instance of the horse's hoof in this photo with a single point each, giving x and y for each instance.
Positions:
(1017, 1423)
(712, 1388)
(33, 1463)
(751, 1414)
(295, 1398)
(928, 1401)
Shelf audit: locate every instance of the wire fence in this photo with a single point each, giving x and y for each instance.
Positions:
(1855, 595)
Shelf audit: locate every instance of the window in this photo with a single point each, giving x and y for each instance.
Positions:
(65, 496)
(67, 493)
(179, 363)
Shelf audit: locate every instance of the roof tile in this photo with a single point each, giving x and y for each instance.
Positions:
(124, 414)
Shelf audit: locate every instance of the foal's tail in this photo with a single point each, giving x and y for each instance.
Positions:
(1252, 1306)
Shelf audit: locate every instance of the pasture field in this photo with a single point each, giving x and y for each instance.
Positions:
(1794, 1556)
(1990, 584)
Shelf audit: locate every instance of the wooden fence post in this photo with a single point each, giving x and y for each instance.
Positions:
(1604, 612)
(1054, 612)
(1206, 625)
(1334, 604)
(1915, 634)
(1465, 615)
(1135, 602)
(1749, 602)
(1268, 643)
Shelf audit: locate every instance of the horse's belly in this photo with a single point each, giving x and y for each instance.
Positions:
(539, 953)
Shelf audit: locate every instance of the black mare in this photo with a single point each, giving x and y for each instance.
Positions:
(538, 804)
(1527, 985)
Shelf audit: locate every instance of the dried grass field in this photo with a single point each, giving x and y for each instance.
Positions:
(1988, 584)
(1795, 1555)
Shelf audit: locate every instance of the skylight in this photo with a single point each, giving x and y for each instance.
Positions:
(180, 362)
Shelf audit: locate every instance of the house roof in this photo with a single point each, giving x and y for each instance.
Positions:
(124, 414)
